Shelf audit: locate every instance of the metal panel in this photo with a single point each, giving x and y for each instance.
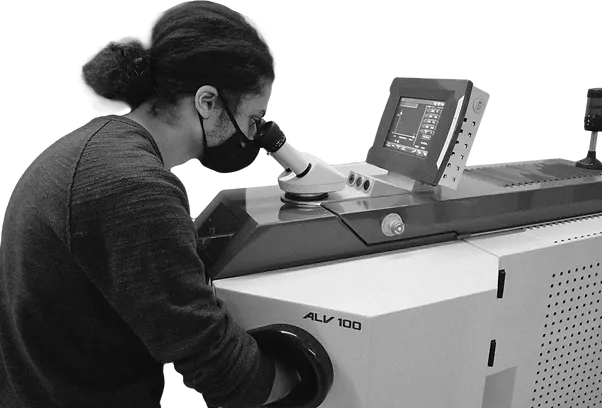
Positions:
(548, 322)
(454, 168)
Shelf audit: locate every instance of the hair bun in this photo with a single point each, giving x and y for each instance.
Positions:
(134, 59)
(121, 72)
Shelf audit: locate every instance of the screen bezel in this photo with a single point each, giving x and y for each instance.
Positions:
(419, 168)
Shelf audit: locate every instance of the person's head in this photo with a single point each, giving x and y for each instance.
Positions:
(203, 59)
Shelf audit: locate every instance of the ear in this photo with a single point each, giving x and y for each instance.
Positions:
(205, 101)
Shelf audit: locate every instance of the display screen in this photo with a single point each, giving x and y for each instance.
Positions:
(414, 126)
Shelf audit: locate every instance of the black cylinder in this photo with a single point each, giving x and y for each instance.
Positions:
(592, 117)
(297, 348)
(270, 137)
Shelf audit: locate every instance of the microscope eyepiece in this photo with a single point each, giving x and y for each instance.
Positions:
(270, 137)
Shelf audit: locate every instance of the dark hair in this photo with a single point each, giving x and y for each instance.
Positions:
(193, 44)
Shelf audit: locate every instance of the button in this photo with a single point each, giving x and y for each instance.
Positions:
(392, 225)
(478, 105)
(397, 227)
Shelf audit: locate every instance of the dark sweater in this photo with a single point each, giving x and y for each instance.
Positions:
(101, 284)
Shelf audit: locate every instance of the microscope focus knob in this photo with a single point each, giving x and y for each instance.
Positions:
(392, 225)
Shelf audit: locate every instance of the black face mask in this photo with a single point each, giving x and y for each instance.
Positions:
(236, 153)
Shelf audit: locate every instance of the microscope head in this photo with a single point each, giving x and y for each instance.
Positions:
(305, 177)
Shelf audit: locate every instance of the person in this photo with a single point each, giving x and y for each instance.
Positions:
(101, 283)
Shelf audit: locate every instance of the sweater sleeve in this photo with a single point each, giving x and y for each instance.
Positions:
(132, 234)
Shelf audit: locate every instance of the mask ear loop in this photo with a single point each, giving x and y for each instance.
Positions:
(243, 138)
(203, 127)
(205, 145)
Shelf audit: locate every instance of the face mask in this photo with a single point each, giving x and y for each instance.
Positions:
(236, 153)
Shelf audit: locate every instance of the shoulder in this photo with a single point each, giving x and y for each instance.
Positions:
(121, 142)
(122, 161)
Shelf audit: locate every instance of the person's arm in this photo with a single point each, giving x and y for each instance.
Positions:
(132, 234)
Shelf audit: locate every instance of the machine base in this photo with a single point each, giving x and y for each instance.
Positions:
(511, 320)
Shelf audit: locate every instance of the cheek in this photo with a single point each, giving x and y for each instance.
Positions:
(223, 132)
(251, 130)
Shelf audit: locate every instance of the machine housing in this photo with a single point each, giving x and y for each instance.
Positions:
(429, 283)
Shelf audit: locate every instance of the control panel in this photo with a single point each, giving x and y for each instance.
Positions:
(427, 129)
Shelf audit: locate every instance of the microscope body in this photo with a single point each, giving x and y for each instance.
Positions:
(305, 177)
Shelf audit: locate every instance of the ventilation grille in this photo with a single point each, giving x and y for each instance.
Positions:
(531, 173)
(573, 229)
(577, 237)
(569, 371)
(566, 222)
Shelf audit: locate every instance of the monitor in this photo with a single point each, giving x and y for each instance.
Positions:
(414, 125)
(427, 129)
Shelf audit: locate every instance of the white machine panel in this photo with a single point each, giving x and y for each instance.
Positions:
(407, 328)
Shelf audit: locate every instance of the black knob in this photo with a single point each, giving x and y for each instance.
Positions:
(297, 348)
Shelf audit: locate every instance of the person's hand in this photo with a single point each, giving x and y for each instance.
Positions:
(285, 380)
